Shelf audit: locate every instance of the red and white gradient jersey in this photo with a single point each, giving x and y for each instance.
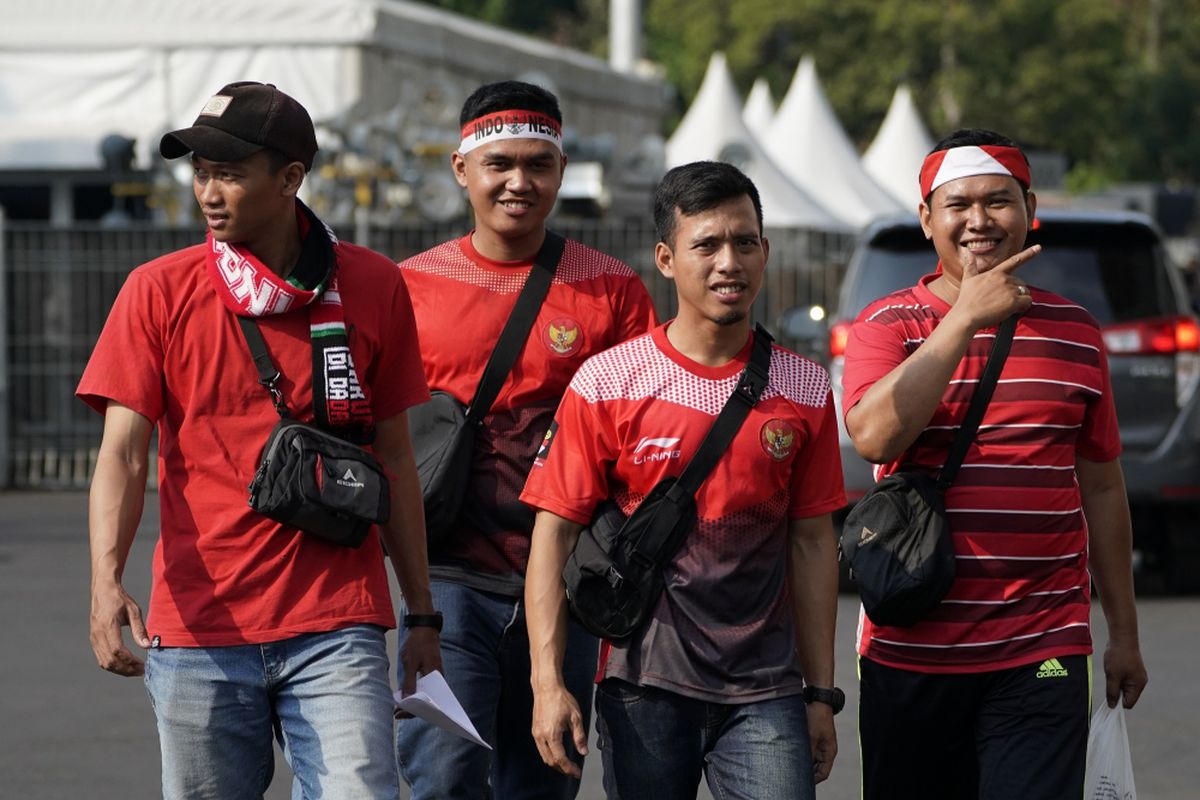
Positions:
(723, 629)
(1022, 591)
(461, 301)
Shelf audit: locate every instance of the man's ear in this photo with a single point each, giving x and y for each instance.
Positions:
(924, 212)
(458, 163)
(293, 177)
(1031, 206)
(664, 259)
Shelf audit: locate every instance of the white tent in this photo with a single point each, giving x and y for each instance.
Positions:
(808, 143)
(713, 130)
(759, 110)
(894, 157)
(73, 71)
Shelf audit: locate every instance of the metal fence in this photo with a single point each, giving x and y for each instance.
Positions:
(57, 285)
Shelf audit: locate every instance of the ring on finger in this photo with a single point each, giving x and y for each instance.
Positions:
(1021, 290)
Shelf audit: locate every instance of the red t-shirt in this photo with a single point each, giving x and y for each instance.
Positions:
(1022, 591)
(462, 301)
(723, 630)
(171, 351)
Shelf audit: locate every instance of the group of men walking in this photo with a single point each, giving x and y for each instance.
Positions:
(259, 631)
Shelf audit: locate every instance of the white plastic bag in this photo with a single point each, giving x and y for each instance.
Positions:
(1109, 773)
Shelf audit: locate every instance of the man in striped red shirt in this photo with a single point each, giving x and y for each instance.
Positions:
(989, 696)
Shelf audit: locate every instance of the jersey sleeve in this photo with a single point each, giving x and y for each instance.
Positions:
(816, 486)
(398, 377)
(1099, 437)
(570, 473)
(872, 351)
(634, 310)
(126, 365)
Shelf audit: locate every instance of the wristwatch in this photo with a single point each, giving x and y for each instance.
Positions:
(835, 698)
(433, 620)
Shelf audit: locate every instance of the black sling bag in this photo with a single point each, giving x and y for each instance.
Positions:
(614, 576)
(443, 432)
(897, 539)
(310, 478)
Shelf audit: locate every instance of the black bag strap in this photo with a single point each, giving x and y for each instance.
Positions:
(516, 330)
(745, 396)
(268, 373)
(979, 403)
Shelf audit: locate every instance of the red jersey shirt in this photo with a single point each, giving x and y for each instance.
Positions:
(171, 351)
(723, 630)
(462, 301)
(1022, 590)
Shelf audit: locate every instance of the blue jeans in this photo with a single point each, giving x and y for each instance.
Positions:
(485, 656)
(655, 744)
(326, 696)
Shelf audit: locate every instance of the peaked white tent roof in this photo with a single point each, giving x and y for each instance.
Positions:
(759, 110)
(809, 144)
(894, 158)
(712, 129)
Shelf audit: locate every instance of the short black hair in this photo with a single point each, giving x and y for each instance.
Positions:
(276, 160)
(975, 137)
(506, 95)
(697, 187)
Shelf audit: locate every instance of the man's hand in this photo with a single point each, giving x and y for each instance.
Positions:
(113, 609)
(988, 298)
(823, 738)
(1124, 673)
(421, 654)
(554, 713)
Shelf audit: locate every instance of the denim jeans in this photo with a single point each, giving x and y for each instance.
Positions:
(485, 657)
(326, 696)
(655, 744)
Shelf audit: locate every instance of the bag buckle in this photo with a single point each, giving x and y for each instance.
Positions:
(276, 395)
(614, 578)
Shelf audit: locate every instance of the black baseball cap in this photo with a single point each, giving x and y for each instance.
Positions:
(241, 119)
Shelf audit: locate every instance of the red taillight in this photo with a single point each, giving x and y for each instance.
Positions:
(838, 334)
(1169, 335)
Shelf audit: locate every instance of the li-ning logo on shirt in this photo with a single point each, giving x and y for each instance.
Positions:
(665, 449)
(350, 480)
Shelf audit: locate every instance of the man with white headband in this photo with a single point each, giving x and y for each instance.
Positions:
(989, 695)
(511, 163)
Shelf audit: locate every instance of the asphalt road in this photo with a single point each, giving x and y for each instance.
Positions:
(69, 730)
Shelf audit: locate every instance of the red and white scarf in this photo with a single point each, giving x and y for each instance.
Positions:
(249, 288)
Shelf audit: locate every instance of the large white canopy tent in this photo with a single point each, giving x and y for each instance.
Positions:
(73, 71)
(713, 129)
(901, 144)
(809, 145)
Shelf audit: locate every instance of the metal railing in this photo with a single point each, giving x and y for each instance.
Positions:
(57, 285)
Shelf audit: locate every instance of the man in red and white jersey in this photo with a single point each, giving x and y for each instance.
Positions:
(511, 163)
(733, 674)
(989, 696)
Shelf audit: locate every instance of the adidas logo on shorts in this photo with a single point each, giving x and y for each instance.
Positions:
(1051, 668)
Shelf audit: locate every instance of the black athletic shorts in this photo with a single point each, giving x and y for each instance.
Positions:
(1013, 734)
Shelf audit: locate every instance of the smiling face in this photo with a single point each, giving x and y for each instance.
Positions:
(717, 261)
(244, 202)
(512, 185)
(980, 220)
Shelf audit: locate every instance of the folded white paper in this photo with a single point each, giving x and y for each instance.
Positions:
(435, 703)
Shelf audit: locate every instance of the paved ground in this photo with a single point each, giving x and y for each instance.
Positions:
(69, 730)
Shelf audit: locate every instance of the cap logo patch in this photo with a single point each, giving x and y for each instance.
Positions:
(216, 105)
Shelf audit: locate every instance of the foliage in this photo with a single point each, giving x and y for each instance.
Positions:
(1114, 84)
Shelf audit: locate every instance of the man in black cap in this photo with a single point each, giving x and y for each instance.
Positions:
(255, 626)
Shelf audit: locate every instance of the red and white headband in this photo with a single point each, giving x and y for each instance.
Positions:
(500, 125)
(944, 166)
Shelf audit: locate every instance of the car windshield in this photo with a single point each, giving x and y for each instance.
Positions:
(1115, 271)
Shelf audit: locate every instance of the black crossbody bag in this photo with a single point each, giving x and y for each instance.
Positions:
(614, 576)
(310, 478)
(897, 538)
(443, 431)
